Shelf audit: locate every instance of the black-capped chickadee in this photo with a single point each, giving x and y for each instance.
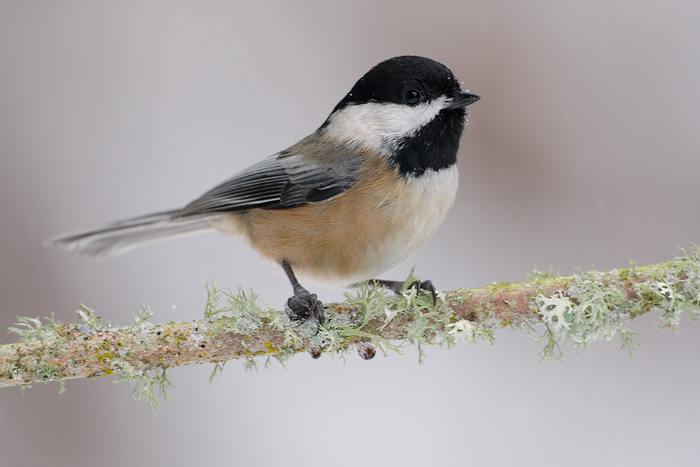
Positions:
(355, 198)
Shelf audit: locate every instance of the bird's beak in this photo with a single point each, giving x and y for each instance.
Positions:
(463, 99)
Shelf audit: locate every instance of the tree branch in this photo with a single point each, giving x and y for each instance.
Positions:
(574, 310)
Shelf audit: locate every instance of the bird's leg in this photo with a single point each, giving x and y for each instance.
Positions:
(397, 286)
(303, 304)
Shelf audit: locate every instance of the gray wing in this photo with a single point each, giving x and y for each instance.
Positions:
(292, 178)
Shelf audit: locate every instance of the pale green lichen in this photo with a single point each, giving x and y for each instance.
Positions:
(48, 333)
(588, 311)
(468, 332)
(141, 319)
(33, 329)
(428, 323)
(536, 274)
(246, 312)
(47, 372)
(589, 307)
(149, 385)
(217, 371)
(88, 316)
(596, 308)
(675, 293)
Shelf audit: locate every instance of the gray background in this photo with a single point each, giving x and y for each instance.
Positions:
(583, 150)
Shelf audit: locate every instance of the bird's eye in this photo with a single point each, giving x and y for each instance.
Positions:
(412, 97)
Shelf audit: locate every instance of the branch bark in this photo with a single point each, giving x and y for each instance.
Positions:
(575, 309)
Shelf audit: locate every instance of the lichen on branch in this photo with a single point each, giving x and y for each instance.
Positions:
(574, 310)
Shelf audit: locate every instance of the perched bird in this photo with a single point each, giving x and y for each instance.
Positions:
(355, 198)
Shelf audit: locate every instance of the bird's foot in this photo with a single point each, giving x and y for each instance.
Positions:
(304, 305)
(425, 285)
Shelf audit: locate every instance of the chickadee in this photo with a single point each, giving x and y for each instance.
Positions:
(355, 198)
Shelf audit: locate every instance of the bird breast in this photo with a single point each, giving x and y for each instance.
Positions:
(372, 227)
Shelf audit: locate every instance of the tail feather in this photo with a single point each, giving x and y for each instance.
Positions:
(123, 236)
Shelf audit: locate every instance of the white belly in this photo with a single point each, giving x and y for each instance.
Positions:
(421, 211)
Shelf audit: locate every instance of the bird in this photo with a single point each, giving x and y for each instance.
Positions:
(355, 198)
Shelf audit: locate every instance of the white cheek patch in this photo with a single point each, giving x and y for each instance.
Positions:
(380, 126)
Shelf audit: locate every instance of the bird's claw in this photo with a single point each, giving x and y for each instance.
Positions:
(425, 285)
(304, 305)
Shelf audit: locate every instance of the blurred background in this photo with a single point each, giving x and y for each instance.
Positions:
(584, 151)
